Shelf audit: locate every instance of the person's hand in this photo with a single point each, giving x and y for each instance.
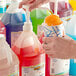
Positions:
(33, 3)
(62, 48)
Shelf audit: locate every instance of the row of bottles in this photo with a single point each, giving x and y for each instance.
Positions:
(27, 47)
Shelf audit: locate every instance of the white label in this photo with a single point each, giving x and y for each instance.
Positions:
(59, 67)
(38, 70)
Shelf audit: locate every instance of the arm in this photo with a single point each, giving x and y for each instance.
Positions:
(33, 3)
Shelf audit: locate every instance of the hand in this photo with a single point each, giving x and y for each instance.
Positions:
(33, 3)
(62, 48)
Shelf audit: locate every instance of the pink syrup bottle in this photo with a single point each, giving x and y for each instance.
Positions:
(29, 51)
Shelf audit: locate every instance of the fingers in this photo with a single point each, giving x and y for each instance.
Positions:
(33, 3)
(49, 39)
(58, 56)
(56, 47)
(50, 46)
(37, 3)
(50, 52)
(25, 2)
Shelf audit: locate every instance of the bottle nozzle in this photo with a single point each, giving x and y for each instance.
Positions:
(28, 24)
(28, 13)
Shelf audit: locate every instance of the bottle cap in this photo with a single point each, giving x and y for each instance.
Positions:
(28, 24)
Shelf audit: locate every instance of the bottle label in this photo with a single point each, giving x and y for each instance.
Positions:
(14, 37)
(59, 67)
(38, 70)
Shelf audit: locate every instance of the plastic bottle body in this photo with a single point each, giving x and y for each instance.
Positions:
(12, 69)
(9, 64)
(32, 65)
(14, 25)
(30, 54)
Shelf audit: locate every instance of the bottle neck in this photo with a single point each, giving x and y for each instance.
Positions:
(27, 26)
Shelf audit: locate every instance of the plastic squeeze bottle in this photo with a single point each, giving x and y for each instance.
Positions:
(29, 51)
(9, 63)
(13, 20)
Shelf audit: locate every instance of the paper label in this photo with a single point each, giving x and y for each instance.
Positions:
(38, 70)
(14, 37)
(59, 67)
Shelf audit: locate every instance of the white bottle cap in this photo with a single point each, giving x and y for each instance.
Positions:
(28, 24)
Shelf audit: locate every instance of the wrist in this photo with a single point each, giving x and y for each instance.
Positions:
(73, 49)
